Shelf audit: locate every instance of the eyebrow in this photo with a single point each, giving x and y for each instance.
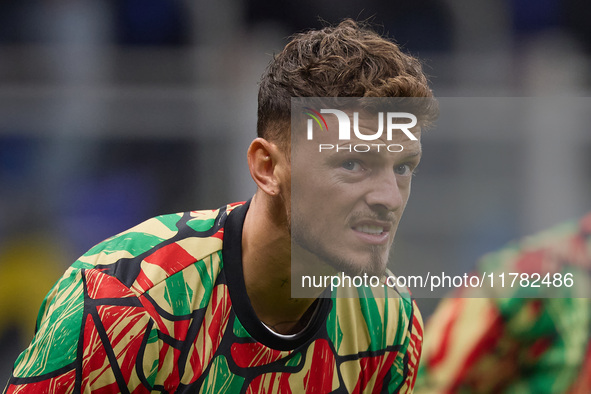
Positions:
(418, 152)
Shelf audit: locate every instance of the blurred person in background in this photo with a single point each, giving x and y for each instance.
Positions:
(517, 345)
(201, 300)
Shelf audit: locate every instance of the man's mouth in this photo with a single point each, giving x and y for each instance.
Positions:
(370, 229)
(376, 232)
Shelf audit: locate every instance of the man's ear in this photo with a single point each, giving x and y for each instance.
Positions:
(263, 157)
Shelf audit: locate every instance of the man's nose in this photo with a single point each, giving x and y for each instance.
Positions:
(385, 192)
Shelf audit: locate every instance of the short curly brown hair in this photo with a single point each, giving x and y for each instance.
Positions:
(348, 60)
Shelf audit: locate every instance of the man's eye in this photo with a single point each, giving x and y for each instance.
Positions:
(352, 165)
(403, 170)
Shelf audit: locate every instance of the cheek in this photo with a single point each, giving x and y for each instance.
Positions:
(405, 196)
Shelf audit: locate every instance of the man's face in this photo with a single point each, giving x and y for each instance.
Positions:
(346, 205)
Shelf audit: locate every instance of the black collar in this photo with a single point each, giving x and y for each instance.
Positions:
(232, 260)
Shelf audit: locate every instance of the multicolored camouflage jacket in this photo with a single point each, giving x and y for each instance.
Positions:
(162, 307)
(518, 344)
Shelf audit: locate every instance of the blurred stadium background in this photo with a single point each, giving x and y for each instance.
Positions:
(115, 111)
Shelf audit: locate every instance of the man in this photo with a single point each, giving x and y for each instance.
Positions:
(518, 344)
(201, 300)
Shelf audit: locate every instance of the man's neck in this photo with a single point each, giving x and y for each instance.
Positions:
(266, 261)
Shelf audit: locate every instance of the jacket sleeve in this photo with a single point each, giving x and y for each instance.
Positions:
(92, 333)
(403, 373)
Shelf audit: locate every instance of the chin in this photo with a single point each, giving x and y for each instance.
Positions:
(375, 266)
(371, 261)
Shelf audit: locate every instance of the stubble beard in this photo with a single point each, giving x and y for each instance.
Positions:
(375, 266)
